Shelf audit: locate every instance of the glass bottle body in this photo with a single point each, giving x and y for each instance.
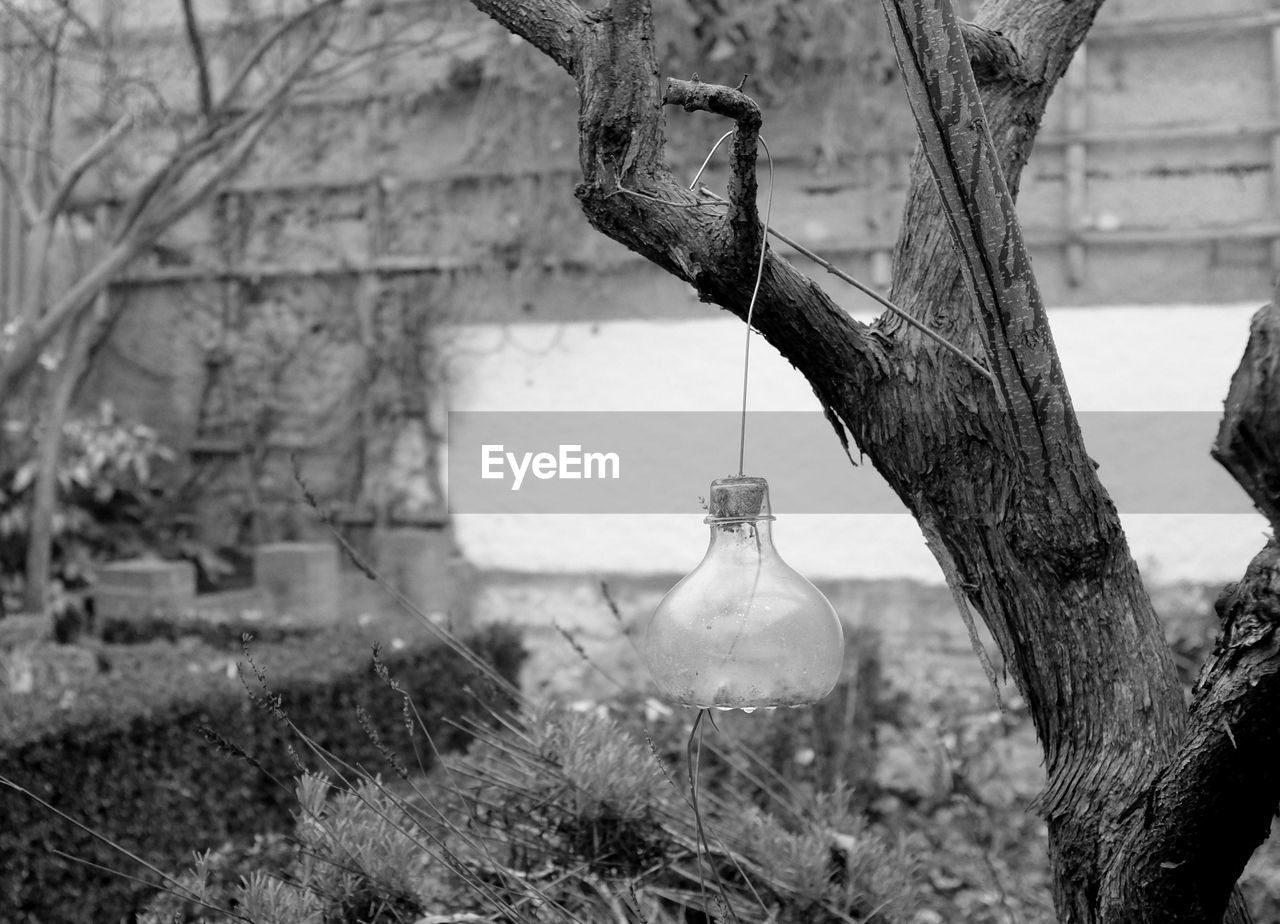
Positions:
(744, 629)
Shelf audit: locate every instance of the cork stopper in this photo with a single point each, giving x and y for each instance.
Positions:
(740, 497)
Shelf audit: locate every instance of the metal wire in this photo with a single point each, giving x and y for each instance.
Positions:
(751, 307)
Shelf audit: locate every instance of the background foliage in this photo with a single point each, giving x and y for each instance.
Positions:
(121, 750)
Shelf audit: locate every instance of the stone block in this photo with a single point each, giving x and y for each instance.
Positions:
(232, 604)
(300, 579)
(422, 564)
(144, 587)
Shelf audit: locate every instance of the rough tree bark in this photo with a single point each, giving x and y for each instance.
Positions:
(1151, 816)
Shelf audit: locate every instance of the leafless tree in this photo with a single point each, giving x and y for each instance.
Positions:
(180, 112)
(1152, 809)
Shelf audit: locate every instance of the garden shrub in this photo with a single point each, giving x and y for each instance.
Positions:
(352, 855)
(122, 752)
(555, 815)
(224, 633)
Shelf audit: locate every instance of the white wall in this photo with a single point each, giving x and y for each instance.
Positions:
(1116, 358)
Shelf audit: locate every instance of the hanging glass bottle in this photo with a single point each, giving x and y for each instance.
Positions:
(743, 630)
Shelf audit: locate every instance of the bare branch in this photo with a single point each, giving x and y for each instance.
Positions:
(268, 41)
(230, 163)
(172, 170)
(149, 215)
(554, 27)
(694, 96)
(88, 32)
(30, 213)
(85, 162)
(40, 138)
(20, 16)
(203, 89)
(32, 339)
(216, 134)
(629, 194)
(249, 133)
(992, 56)
(1248, 443)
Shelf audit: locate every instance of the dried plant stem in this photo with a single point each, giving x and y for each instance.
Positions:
(694, 754)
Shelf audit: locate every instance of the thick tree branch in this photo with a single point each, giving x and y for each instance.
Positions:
(18, 356)
(696, 96)
(1193, 830)
(992, 56)
(1248, 443)
(628, 192)
(551, 26)
(1212, 805)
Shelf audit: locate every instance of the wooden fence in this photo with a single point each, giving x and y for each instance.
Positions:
(1156, 178)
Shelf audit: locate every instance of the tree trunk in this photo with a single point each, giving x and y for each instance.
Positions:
(993, 466)
(1019, 522)
(44, 496)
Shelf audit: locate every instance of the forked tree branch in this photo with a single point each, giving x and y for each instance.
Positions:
(628, 192)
